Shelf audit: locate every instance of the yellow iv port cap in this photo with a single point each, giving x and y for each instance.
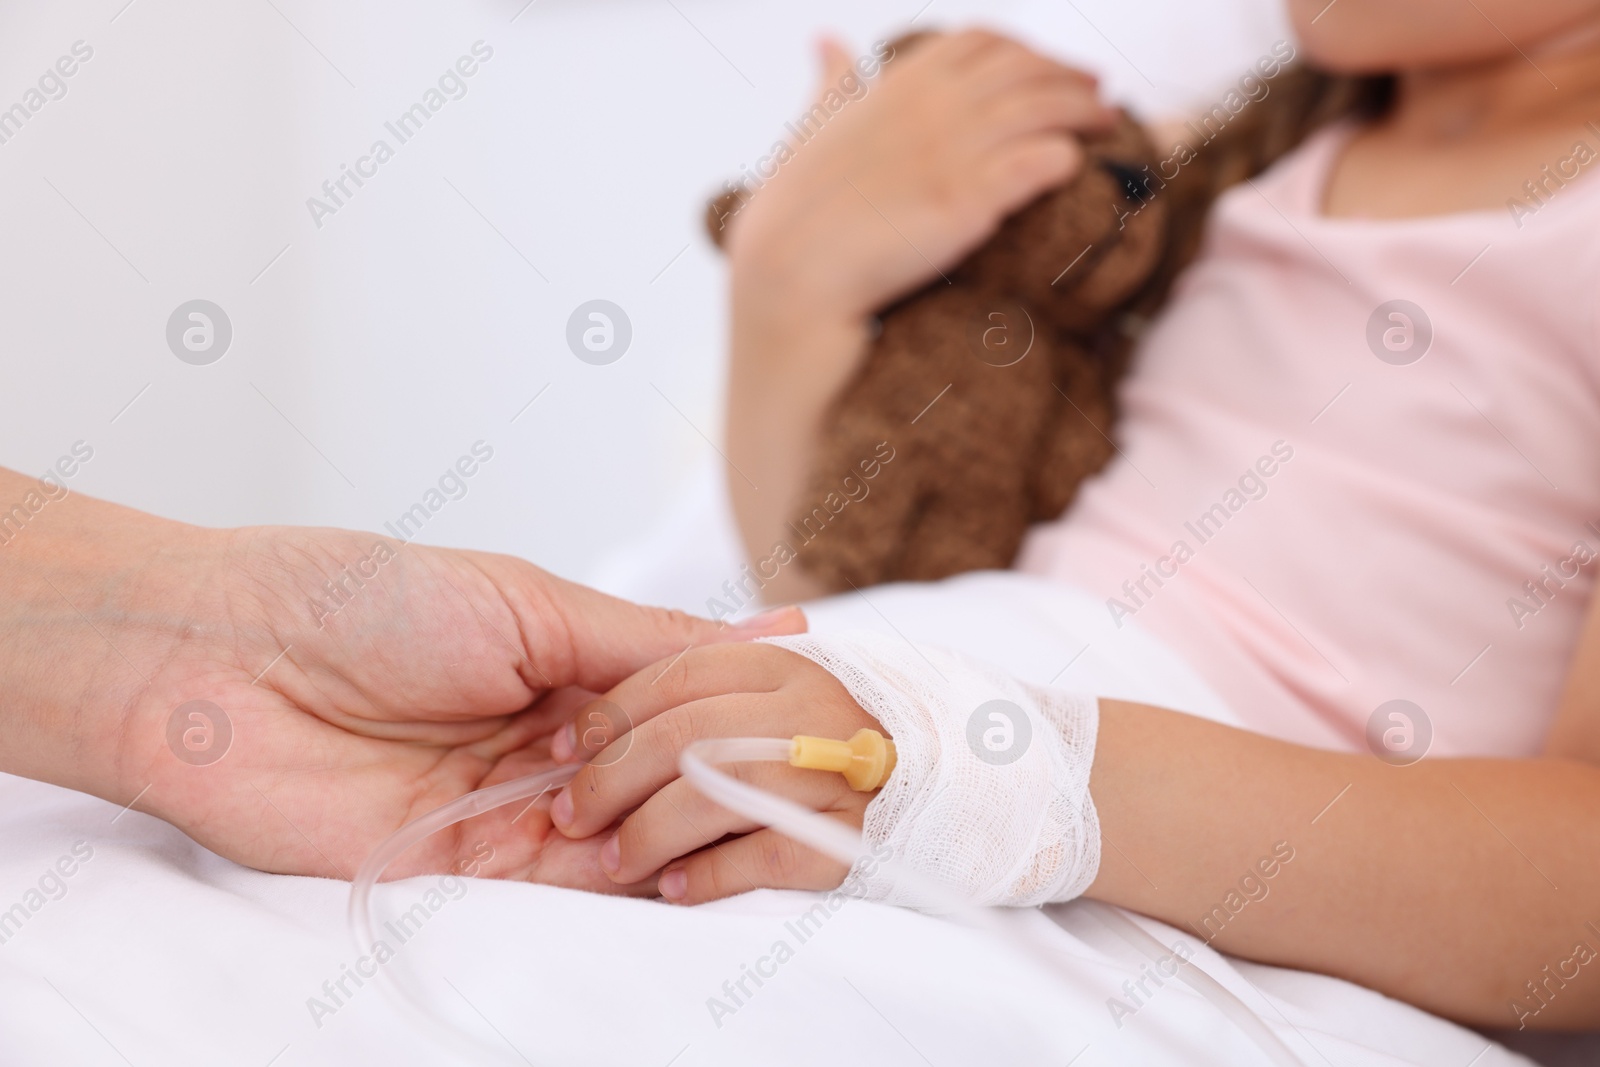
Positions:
(866, 760)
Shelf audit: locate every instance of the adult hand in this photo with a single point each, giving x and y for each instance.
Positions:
(351, 683)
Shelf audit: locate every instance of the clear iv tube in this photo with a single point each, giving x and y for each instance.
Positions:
(833, 839)
(1208, 987)
(821, 833)
(411, 1002)
(458, 810)
(828, 836)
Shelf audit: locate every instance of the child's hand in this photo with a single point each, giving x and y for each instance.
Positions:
(896, 185)
(635, 734)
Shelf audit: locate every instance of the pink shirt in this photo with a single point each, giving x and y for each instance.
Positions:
(1319, 530)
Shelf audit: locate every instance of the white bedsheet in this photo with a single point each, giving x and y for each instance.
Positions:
(162, 953)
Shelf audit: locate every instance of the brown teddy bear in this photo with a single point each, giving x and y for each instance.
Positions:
(994, 385)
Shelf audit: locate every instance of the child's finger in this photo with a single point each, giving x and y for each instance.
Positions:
(1012, 65)
(1019, 171)
(969, 46)
(642, 761)
(1033, 111)
(679, 819)
(765, 859)
(692, 675)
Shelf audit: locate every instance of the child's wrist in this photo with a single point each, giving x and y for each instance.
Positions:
(793, 297)
(792, 365)
(773, 311)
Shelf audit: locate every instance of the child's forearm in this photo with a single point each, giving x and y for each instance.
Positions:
(1451, 884)
(787, 362)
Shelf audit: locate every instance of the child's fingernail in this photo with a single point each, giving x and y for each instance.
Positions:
(611, 855)
(779, 620)
(563, 743)
(561, 809)
(674, 884)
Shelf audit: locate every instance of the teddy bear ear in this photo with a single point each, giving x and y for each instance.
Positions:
(720, 212)
(906, 42)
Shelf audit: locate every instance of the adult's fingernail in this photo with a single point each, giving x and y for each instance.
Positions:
(781, 619)
(563, 743)
(674, 884)
(561, 809)
(611, 855)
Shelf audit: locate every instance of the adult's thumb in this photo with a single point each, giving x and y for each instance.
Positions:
(608, 638)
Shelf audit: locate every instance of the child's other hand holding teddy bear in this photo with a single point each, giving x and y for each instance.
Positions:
(898, 186)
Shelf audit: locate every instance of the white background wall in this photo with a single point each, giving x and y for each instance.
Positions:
(373, 352)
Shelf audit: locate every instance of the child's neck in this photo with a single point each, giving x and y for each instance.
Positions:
(1469, 137)
(1555, 83)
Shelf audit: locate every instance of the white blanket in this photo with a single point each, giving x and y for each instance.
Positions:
(158, 952)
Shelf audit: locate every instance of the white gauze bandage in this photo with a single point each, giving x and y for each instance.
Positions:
(990, 793)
